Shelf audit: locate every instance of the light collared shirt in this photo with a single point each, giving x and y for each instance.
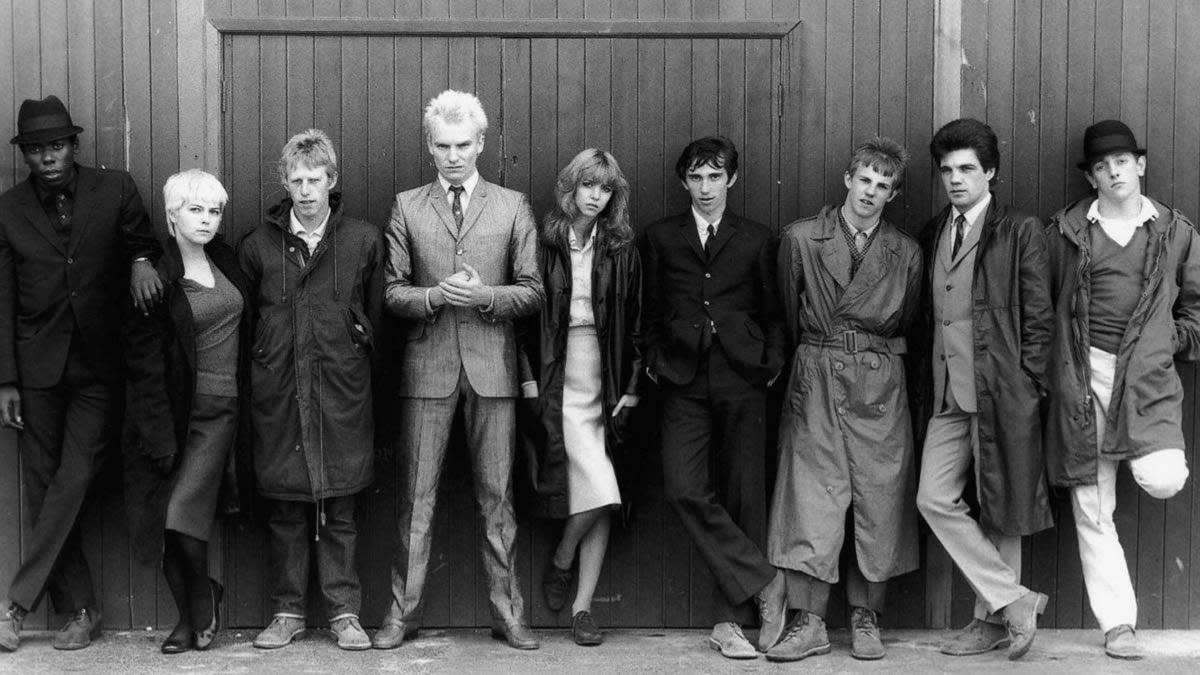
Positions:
(971, 217)
(310, 239)
(581, 313)
(1121, 230)
(702, 225)
(468, 188)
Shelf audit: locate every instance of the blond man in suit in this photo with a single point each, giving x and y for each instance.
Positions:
(462, 265)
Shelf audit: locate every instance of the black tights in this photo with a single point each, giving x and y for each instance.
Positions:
(185, 565)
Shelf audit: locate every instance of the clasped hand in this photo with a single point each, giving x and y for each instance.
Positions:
(465, 289)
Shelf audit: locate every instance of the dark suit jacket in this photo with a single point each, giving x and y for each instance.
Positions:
(48, 292)
(734, 288)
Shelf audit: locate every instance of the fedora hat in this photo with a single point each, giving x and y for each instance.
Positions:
(43, 121)
(1104, 138)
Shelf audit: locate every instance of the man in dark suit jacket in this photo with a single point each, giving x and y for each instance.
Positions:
(714, 342)
(68, 236)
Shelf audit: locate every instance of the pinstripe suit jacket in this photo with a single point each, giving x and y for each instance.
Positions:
(499, 239)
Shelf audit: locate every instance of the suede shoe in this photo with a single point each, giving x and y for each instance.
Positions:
(349, 633)
(556, 583)
(805, 636)
(1021, 617)
(10, 628)
(585, 631)
(1122, 643)
(393, 633)
(280, 633)
(729, 639)
(772, 612)
(865, 642)
(978, 637)
(517, 635)
(79, 631)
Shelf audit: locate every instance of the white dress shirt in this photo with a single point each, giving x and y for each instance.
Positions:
(702, 226)
(310, 238)
(1121, 230)
(971, 217)
(468, 188)
(581, 313)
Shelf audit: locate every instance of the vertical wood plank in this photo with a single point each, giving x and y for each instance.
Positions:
(975, 37)
(1026, 109)
(1107, 77)
(1135, 63)
(193, 73)
(999, 85)
(918, 195)
(299, 73)
(9, 171)
(892, 89)
(864, 76)
(812, 104)
(839, 98)
(80, 87)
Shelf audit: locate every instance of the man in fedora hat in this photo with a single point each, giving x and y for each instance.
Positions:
(68, 238)
(1125, 278)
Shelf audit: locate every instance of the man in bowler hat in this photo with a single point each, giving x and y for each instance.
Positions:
(69, 237)
(1125, 280)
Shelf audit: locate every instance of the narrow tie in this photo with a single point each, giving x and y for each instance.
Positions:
(456, 207)
(860, 241)
(959, 223)
(712, 233)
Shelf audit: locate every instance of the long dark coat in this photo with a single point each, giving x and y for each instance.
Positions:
(616, 305)
(312, 354)
(1145, 412)
(160, 356)
(1012, 319)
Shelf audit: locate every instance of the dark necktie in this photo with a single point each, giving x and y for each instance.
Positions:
(456, 207)
(959, 223)
(708, 241)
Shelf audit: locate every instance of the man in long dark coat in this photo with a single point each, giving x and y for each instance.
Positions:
(850, 284)
(987, 316)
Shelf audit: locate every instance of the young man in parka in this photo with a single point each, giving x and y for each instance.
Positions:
(1125, 278)
(987, 315)
(850, 283)
(317, 286)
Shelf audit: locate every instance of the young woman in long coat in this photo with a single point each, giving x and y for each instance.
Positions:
(585, 358)
(186, 396)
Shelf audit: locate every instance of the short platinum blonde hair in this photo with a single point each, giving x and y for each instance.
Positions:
(454, 107)
(192, 185)
(311, 148)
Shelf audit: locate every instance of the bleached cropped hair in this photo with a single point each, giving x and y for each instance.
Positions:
(310, 147)
(192, 186)
(454, 107)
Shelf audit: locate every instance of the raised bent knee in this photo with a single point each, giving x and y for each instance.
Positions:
(1161, 473)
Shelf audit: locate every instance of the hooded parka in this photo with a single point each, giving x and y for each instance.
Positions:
(616, 307)
(845, 439)
(312, 354)
(1145, 412)
(1011, 322)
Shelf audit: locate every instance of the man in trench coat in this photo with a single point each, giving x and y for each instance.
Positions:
(850, 284)
(986, 312)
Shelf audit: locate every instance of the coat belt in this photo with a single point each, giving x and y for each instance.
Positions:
(853, 341)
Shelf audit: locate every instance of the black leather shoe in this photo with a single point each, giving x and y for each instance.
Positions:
(79, 631)
(180, 640)
(585, 631)
(556, 583)
(204, 638)
(518, 636)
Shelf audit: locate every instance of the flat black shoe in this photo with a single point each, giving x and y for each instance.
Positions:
(204, 638)
(585, 631)
(556, 583)
(180, 640)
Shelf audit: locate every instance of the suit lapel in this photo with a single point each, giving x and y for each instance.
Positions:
(972, 239)
(36, 215)
(474, 207)
(437, 197)
(687, 229)
(86, 186)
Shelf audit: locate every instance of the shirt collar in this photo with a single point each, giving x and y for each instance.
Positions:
(573, 241)
(850, 228)
(973, 214)
(1148, 212)
(468, 184)
(702, 224)
(299, 230)
(44, 192)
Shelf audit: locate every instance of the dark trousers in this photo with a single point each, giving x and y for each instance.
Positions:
(66, 428)
(424, 437)
(812, 594)
(294, 528)
(714, 462)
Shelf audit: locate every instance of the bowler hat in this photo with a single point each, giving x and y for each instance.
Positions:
(1105, 138)
(43, 121)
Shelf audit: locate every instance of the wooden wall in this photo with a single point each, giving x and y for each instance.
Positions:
(139, 75)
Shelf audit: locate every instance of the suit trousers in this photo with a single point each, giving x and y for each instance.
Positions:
(714, 466)
(293, 527)
(1161, 474)
(991, 562)
(61, 448)
(424, 436)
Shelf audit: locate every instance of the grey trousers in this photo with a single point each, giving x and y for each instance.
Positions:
(424, 437)
(991, 562)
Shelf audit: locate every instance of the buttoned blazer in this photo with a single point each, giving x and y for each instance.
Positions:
(499, 239)
(734, 287)
(953, 336)
(47, 290)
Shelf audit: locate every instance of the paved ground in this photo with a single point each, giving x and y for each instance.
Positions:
(626, 651)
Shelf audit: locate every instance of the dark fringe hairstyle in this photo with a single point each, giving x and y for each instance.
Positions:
(612, 224)
(967, 134)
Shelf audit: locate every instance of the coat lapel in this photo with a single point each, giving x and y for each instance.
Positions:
(437, 197)
(36, 215)
(474, 207)
(874, 266)
(84, 197)
(835, 255)
(687, 229)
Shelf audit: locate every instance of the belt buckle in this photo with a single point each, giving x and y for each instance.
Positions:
(850, 341)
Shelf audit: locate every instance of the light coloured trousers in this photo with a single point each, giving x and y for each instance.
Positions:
(1161, 474)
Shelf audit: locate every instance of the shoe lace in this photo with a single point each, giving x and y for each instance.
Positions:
(737, 630)
(864, 621)
(77, 617)
(794, 629)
